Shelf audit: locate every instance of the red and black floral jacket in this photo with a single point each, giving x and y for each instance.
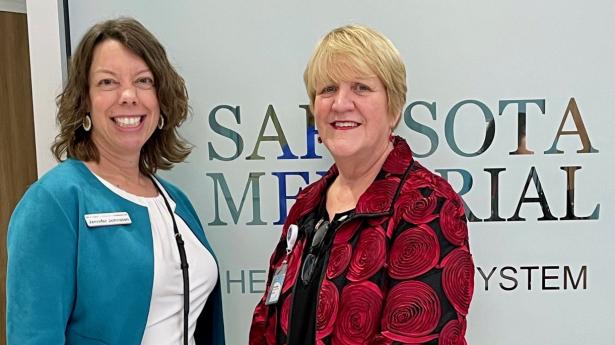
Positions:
(400, 272)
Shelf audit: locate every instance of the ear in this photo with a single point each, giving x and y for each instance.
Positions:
(394, 120)
(88, 103)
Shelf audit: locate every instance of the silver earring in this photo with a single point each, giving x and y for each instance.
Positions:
(160, 122)
(87, 122)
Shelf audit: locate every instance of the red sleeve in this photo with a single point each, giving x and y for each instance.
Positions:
(430, 271)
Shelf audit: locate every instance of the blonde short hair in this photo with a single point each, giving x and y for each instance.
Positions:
(358, 49)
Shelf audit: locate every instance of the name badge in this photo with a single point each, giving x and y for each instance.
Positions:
(107, 219)
(277, 282)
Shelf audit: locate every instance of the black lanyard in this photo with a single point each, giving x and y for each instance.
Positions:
(183, 263)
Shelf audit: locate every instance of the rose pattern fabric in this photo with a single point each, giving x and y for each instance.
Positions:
(381, 340)
(452, 333)
(398, 160)
(311, 194)
(452, 223)
(338, 260)
(424, 178)
(414, 252)
(458, 279)
(375, 221)
(359, 314)
(416, 208)
(421, 178)
(411, 312)
(398, 272)
(369, 255)
(326, 312)
(293, 267)
(378, 197)
(443, 188)
(346, 232)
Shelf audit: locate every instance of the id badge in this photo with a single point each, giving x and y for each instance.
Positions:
(276, 284)
(95, 220)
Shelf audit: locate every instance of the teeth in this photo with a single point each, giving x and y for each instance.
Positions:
(346, 124)
(132, 121)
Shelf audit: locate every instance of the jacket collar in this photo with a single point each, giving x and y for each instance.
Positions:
(377, 199)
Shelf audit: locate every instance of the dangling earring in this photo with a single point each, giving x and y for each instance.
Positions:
(86, 123)
(160, 122)
(319, 140)
(391, 137)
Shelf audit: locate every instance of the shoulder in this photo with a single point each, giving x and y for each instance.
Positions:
(61, 182)
(421, 178)
(311, 189)
(53, 199)
(308, 198)
(312, 192)
(426, 197)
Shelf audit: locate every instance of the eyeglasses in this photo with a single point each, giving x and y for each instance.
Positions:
(307, 271)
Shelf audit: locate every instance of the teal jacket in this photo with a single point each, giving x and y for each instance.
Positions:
(74, 285)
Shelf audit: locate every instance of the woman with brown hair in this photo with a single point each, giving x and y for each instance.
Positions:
(100, 250)
(377, 251)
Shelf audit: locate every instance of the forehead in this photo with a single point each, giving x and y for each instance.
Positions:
(113, 55)
(342, 68)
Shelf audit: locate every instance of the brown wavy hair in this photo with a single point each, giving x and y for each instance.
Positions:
(165, 147)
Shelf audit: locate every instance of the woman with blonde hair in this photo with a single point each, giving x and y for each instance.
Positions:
(375, 252)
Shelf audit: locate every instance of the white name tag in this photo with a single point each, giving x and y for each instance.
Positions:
(107, 219)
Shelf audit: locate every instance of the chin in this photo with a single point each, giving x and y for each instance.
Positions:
(132, 146)
(342, 150)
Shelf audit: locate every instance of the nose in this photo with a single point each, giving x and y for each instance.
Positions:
(343, 100)
(128, 95)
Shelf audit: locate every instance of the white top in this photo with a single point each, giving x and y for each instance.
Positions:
(165, 322)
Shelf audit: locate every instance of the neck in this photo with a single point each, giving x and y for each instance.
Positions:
(355, 176)
(357, 171)
(123, 172)
(116, 165)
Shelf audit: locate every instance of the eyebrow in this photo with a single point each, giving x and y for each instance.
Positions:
(145, 70)
(328, 81)
(104, 70)
(366, 78)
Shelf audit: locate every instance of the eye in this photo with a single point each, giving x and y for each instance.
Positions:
(145, 83)
(328, 89)
(107, 84)
(362, 87)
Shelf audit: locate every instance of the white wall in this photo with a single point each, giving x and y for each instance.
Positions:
(46, 39)
(18, 6)
(252, 54)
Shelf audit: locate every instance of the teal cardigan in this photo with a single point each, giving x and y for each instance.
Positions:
(74, 285)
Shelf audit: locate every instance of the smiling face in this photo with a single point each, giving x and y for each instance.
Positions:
(352, 116)
(122, 100)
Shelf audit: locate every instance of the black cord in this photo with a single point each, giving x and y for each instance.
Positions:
(183, 262)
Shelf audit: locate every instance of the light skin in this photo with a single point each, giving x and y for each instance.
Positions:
(125, 112)
(354, 124)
